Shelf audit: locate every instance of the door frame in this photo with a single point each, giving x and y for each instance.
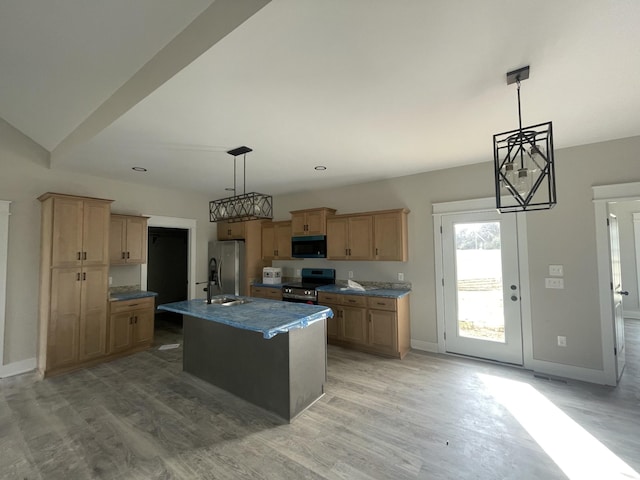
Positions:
(4, 257)
(603, 195)
(476, 206)
(182, 223)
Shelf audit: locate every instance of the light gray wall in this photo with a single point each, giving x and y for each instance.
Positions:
(564, 235)
(624, 211)
(25, 176)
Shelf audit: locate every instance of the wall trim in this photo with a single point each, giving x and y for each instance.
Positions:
(568, 371)
(16, 368)
(424, 346)
(4, 257)
(175, 222)
(635, 314)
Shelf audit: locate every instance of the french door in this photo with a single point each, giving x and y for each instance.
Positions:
(481, 286)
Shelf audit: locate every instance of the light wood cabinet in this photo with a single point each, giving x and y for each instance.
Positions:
(310, 222)
(276, 240)
(73, 282)
(377, 325)
(231, 230)
(131, 324)
(390, 235)
(270, 293)
(350, 237)
(128, 240)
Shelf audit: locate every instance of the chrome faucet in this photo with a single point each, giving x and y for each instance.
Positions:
(212, 278)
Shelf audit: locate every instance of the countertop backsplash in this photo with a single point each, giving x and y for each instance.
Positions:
(124, 289)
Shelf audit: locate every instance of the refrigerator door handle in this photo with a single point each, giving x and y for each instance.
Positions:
(220, 276)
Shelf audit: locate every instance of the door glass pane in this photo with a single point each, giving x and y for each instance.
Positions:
(479, 281)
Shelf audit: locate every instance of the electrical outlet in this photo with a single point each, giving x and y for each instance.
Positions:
(400, 277)
(110, 280)
(350, 273)
(554, 283)
(562, 341)
(298, 272)
(556, 270)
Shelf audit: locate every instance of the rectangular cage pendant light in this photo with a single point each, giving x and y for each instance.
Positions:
(524, 166)
(243, 207)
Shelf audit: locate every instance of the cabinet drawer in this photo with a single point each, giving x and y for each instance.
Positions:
(133, 304)
(266, 292)
(324, 298)
(354, 300)
(381, 303)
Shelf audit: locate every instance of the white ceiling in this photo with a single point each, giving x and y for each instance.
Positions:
(370, 89)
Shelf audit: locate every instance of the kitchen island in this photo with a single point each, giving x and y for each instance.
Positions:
(270, 353)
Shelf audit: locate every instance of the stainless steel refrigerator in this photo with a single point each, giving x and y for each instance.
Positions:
(229, 266)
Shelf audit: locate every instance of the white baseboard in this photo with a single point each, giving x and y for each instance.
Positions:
(568, 371)
(16, 368)
(635, 314)
(424, 346)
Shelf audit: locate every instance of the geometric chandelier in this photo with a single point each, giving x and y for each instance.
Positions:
(523, 163)
(243, 207)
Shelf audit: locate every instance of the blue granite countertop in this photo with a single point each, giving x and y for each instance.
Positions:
(268, 285)
(116, 297)
(268, 317)
(370, 292)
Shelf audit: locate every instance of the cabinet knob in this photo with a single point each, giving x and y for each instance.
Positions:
(128, 255)
(79, 256)
(123, 255)
(84, 255)
(78, 277)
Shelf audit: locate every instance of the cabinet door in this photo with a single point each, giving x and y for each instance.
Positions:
(354, 325)
(230, 231)
(117, 241)
(337, 238)
(283, 240)
(63, 335)
(95, 227)
(333, 323)
(136, 245)
(93, 319)
(298, 224)
(143, 321)
(390, 237)
(268, 241)
(316, 223)
(67, 233)
(360, 238)
(120, 330)
(383, 330)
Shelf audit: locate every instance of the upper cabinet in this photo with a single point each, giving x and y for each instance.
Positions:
(128, 240)
(390, 234)
(231, 230)
(310, 222)
(276, 240)
(80, 230)
(350, 237)
(380, 235)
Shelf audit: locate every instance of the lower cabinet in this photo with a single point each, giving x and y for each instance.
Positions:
(372, 324)
(270, 293)
(131, 324)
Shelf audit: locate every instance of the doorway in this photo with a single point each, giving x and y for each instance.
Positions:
(481, 286)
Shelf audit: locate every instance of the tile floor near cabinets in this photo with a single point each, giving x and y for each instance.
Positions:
(426, 417)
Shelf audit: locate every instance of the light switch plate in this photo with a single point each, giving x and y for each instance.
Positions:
(554, 283)
(556, 270)
(401, 277)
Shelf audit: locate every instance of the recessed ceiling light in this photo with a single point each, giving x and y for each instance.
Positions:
(139, 169)
(320, 167)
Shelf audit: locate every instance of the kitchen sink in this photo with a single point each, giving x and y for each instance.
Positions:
(228, 301)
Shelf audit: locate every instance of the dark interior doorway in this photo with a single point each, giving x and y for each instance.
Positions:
(167, 270)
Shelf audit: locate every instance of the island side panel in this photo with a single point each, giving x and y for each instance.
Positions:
(308, 365)
(239, 361)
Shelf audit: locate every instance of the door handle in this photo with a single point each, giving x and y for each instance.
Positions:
(622, 292)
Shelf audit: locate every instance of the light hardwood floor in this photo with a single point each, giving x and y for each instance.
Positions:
(428, 417)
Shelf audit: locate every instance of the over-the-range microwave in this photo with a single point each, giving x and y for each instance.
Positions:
(312, 246)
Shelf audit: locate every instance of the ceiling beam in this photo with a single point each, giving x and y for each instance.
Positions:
(211, 26)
